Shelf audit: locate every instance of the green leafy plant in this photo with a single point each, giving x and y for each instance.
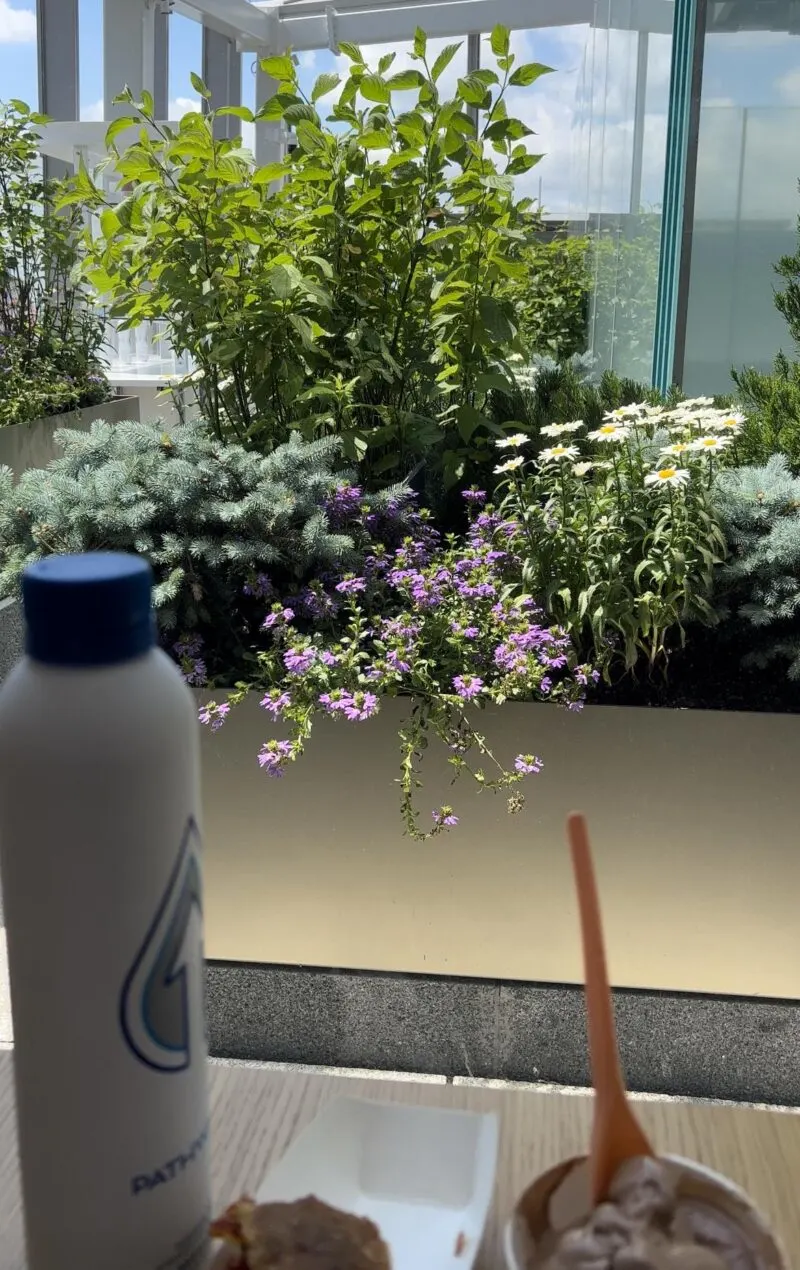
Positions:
(772, 404)
(210, 518)
(551, 300)
(619, 538)
(50, 334)
(759, 510)
(355, 288)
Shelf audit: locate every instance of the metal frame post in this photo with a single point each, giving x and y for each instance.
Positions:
(222, 76)
(129, 51)
(161, 61)
(677, 217)
(640, 101)
(57, 57)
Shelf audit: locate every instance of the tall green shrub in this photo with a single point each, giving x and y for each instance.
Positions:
(353, 288)
(50, 331)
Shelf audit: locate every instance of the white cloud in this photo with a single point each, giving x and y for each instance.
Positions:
(178, 106)
(788, 87)
(17, 26)
(307, 59)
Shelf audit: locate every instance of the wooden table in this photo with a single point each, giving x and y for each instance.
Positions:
(256, 1113)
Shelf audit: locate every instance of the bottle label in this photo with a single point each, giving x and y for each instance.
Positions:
(158, 998)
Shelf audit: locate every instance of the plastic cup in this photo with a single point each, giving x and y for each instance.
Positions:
(561, 1197)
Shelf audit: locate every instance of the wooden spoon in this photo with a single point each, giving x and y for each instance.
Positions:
(616, 1133)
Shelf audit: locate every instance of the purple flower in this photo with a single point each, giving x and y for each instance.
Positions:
(467, 686)
(188, 646)
(298, 660)
(276, 702)
(277, 617)
(274, 756)
(194, 672)
(361, 706)
(583, 674)
(527, 764)
(213, 714)
(328, 659)
(260, 586)
(445, 817)
(348, 586)
(334, 701)
(477, 496)
(470, 632)
(395, 660)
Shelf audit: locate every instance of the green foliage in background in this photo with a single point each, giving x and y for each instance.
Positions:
(207, 515)
(50, 336)
(551, 300)
(546, 392)
(624, 269)
(771, 401)
(759, 509)
(355, 288)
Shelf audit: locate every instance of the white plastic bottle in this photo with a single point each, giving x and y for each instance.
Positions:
(99, 849)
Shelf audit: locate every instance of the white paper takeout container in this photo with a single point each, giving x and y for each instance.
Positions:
(425, 1176)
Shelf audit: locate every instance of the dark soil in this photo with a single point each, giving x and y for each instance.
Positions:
(706, 674)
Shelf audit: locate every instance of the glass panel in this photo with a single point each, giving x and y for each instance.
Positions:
(746, 204)
(618, 179)
(185, 56)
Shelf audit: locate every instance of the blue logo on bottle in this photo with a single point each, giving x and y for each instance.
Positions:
(155, 1004)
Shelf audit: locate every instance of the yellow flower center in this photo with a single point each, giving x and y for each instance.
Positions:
(710, 442)
(609, 428)
(730, 423)
(666, 473)
(559, 449)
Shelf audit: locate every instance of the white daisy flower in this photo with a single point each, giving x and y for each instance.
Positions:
(695, 403)
(582, 469)
(711, 444)
(679, 447)
(730, 422)
(556, 452)
(610, 432)
(667, 476)
(558, 429)
(512, 442)
(510, 464)
(617, 415)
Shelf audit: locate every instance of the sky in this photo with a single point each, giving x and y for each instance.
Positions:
(582, 113)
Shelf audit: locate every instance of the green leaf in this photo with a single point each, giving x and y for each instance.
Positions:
(271, 172)
(401, 81)
(280, 68)
(300, 110)
(500, 41)
(385, 62)
(238, 112)
(352, 51)
(528, 74)
(495, 320)
(324, 84)
(444, 59)
(468, 420)
(523, 163)
(472, 89)
(284, 280)
(420, 42)
(374, 88)
(117, 126)
(199, 86)
(310, 137)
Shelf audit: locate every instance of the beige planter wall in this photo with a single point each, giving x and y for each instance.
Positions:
(24, 445)
(694, 817)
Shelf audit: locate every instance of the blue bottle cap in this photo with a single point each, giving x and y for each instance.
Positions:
(88, 610)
